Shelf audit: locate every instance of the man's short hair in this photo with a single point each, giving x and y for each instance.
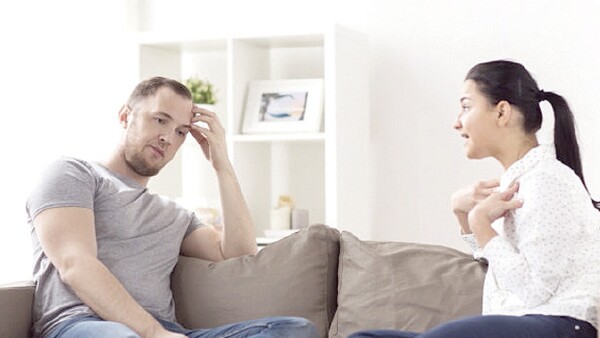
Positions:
(149, 87)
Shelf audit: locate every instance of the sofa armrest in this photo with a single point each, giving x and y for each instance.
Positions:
(16, 300)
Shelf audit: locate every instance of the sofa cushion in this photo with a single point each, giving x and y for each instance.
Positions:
(295, 276)
(403, 286)
(15, 309)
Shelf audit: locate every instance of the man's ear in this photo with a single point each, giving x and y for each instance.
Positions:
(505, 112)
(124, 115)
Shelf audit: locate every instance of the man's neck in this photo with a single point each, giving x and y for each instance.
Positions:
(116, 163)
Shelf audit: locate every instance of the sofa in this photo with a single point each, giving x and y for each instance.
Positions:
(338, 281)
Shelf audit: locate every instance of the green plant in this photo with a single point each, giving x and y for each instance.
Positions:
(203, 92)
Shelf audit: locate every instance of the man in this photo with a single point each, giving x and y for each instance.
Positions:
(105, 247)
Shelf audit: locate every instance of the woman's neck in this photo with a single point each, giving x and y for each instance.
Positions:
(517, 151)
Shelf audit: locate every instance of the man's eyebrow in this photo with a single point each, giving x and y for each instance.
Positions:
(165, 115)
(169, 117)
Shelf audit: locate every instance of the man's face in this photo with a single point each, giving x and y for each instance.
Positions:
(156, 128)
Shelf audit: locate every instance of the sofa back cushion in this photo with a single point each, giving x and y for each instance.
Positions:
(403, 286)
(295, 276)
(16, 301)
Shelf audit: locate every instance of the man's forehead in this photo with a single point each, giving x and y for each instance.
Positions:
(176, 106)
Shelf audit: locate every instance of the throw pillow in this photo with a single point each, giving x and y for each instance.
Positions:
(403, 286)
(295, 276)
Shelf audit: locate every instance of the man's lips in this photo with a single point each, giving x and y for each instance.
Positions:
(157, 150)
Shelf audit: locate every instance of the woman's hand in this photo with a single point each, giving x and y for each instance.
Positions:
(464, 200)
(496, 205)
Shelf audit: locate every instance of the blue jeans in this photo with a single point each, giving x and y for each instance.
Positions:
(92, 326)
(492, 326)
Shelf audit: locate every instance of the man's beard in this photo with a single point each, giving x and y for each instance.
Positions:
(136, 162)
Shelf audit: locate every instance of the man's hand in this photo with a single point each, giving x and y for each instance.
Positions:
(496, 205)
(211, 139)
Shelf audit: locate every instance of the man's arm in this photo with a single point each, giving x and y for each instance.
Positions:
(238, 236)
(236, 239)
(68, 238)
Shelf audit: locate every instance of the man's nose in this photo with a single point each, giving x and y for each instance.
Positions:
(164, 138)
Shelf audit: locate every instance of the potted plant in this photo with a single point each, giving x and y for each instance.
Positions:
(203, 92)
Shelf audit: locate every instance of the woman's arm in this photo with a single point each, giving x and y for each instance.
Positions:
(546, 229)
(465, 199)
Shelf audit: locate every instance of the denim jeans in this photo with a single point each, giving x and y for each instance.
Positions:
(492, 326)
(92, 327)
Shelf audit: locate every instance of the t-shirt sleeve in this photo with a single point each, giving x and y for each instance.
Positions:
(66, 182)
(195, 223)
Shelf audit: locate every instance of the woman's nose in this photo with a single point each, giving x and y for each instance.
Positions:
(457, 123)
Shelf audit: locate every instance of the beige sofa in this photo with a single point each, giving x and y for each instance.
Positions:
(339, 282)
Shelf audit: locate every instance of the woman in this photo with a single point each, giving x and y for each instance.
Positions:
(537, 226)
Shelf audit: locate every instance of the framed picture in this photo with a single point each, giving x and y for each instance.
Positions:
(283, 106)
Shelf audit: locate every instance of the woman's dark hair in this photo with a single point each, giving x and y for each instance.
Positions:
(510, 81)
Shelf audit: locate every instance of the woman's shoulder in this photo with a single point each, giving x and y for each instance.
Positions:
(552, 177)
(552, 171)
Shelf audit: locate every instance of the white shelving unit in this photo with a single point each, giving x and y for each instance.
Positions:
(326, 171)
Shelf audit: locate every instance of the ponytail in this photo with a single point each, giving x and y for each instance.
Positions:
(565, 139)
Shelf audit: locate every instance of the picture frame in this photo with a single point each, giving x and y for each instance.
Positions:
(283, 106)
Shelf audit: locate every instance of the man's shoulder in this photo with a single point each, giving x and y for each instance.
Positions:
(68, 160)
(67, 164)
(66, 170)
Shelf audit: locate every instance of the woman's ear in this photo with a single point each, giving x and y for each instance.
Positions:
(505, 113)
(124, 115)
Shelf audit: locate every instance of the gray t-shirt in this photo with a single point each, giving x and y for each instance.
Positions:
(139, 237)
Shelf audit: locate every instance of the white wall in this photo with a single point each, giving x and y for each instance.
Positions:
(60, 90)
(62, 81)
(420, 53)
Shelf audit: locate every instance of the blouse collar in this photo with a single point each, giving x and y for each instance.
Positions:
(527, 163)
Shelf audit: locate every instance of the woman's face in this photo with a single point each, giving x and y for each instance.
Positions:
(477, 122)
